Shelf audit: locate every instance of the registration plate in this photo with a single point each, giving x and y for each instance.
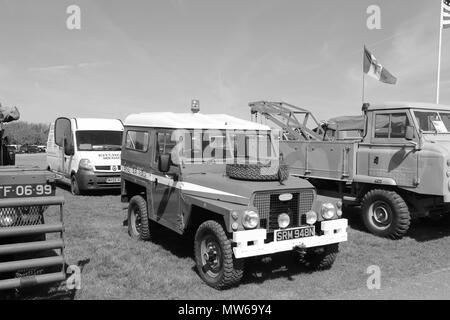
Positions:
(112, 180)
(26, 190)
(295, 233)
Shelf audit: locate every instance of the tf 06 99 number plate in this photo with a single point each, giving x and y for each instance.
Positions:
(295, 233)
(26, 190)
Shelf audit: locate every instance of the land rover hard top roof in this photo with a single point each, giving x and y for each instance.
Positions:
(407, 105)
(173, 120)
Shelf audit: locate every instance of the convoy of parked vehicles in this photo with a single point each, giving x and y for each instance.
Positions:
(241, 188)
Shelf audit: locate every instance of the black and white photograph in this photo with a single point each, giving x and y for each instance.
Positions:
(224, 155)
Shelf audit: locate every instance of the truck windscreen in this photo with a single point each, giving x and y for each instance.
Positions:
(95, 140)
(433, 121)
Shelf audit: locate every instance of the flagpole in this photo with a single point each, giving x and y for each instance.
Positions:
(363, 75)
(439, 54)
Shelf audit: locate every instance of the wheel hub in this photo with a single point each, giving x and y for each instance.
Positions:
(210, 252)
(381, 214)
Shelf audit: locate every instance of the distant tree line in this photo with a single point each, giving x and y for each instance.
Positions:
(21, 132)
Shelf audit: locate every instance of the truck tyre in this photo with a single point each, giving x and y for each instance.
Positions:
(214, 257)
(257, 172)
(321, 258)
(74, 186)
(138, 222)
(385, 214)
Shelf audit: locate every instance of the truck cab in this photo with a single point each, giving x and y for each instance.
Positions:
(86, 152)
(397, 169)
(219, 178)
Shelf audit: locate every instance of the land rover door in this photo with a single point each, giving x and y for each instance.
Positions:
(392, 154)
(166, 195)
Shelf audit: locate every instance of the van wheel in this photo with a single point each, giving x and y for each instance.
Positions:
(386, 214)
(74, 187)
(214, 257)
(138, 222)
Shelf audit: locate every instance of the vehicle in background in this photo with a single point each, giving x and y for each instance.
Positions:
(197, 174)
(86, 152)
(42, 148)
(397, 169)
(29, 148)
(31, 244)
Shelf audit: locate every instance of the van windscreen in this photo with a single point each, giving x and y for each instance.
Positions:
(93, 140)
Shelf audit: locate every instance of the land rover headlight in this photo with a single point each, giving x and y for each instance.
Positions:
(250, 220)
(7, 218)
(85, 164)
(284, 220)
(311, 217)
(328, 210)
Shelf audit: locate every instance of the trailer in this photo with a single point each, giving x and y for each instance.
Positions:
(396, 167)
(31, 222)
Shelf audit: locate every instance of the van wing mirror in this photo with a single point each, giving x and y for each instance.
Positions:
(164, 161)
(69, 149)
(409, 134)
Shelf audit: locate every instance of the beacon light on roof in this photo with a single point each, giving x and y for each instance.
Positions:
(195, 106)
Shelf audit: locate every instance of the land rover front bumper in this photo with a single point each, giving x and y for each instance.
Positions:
(251, 243)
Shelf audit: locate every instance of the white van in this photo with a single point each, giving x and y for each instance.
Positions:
(86, 152)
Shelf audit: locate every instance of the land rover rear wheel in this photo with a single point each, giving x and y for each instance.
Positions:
(214, 257)
(385, 214)
(138, 222)
(321, 258)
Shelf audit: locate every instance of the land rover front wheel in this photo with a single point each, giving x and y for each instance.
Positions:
(214, 257)
(138, 222)
(385, 214)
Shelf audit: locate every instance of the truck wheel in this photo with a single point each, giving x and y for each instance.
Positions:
(74, 187)
(321, 258)
(385, 214)
(214, 257)
(138, 222)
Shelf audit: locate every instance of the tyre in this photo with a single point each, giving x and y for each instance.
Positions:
(385, 214)
(138, 221)
(214, 257)
(257, 172)
(74, 186)
(321, 258)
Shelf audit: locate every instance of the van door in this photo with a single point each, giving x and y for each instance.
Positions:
(65, 141)
(166, 195)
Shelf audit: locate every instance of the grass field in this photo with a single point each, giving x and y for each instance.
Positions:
(117, 267)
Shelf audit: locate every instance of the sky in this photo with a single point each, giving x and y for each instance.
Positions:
(157, 55)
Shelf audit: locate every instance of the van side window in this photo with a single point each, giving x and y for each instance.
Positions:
(391, 125)
(137, 140)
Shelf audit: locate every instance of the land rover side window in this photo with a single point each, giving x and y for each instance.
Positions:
(164, 143)
(137, 140)
(382, 126)
(392, 125)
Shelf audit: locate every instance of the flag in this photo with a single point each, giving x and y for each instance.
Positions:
(446, 14)
(376, 70)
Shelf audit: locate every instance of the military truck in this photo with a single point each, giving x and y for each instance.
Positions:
(398, 168)
(194, 174)
(31, 222)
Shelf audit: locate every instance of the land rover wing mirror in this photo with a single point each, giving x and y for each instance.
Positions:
(164, 162)
(409, 134)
